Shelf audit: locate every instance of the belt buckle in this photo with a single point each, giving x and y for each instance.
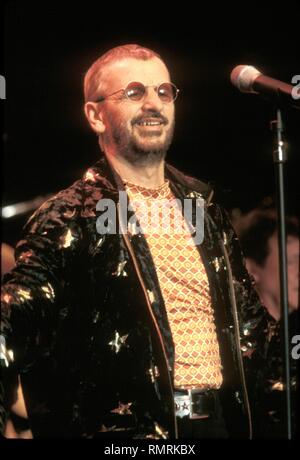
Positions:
(184, 407)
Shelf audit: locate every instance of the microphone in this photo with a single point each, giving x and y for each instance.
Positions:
(248, 79)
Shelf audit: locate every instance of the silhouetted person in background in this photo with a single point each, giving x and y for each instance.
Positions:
(258, 236)
(7, 258)
(17, 423)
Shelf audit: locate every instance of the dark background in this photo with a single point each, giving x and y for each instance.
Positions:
(221, 135)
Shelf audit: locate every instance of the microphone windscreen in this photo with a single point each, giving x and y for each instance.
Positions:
(243, 76)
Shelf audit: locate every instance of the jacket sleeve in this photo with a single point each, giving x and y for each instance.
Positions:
(31, 292)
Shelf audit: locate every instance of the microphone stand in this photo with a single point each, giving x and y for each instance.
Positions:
(280, 159)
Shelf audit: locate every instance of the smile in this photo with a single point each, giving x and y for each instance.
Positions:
(150, 123)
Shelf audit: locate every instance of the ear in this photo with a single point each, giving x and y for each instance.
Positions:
(94, 116)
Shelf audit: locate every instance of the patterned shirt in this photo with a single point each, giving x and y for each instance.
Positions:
(184, 286)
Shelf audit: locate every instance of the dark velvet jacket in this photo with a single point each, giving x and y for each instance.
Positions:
(85, 326)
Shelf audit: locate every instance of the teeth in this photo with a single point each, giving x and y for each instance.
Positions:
(150, 123)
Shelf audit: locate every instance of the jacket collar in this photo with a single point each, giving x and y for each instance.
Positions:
(189, 183)
(104, 176)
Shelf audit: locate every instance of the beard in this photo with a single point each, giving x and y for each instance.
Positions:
(142, 149)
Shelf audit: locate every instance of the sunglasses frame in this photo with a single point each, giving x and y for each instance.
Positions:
(125, 90)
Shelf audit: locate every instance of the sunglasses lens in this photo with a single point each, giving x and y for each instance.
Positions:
(167, 92)
(135, 91)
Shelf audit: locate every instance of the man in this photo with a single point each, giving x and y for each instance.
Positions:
(121, 332)
(259, 240)
(260, 245)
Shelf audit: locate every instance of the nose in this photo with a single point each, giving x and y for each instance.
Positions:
(152, 101)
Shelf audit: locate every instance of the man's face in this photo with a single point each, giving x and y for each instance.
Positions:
(268, 280)
(125, 132)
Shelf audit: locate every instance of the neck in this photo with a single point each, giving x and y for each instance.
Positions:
(150, 176)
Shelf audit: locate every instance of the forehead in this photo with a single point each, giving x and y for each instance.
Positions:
(150, 72)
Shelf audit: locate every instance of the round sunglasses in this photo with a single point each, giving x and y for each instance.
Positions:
(136, 91)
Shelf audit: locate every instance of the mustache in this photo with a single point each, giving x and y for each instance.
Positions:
(145, 117)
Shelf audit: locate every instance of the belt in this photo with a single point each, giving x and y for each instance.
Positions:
(195, 404)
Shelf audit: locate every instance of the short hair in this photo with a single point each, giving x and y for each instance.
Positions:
(93, 75)
(254, 240)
